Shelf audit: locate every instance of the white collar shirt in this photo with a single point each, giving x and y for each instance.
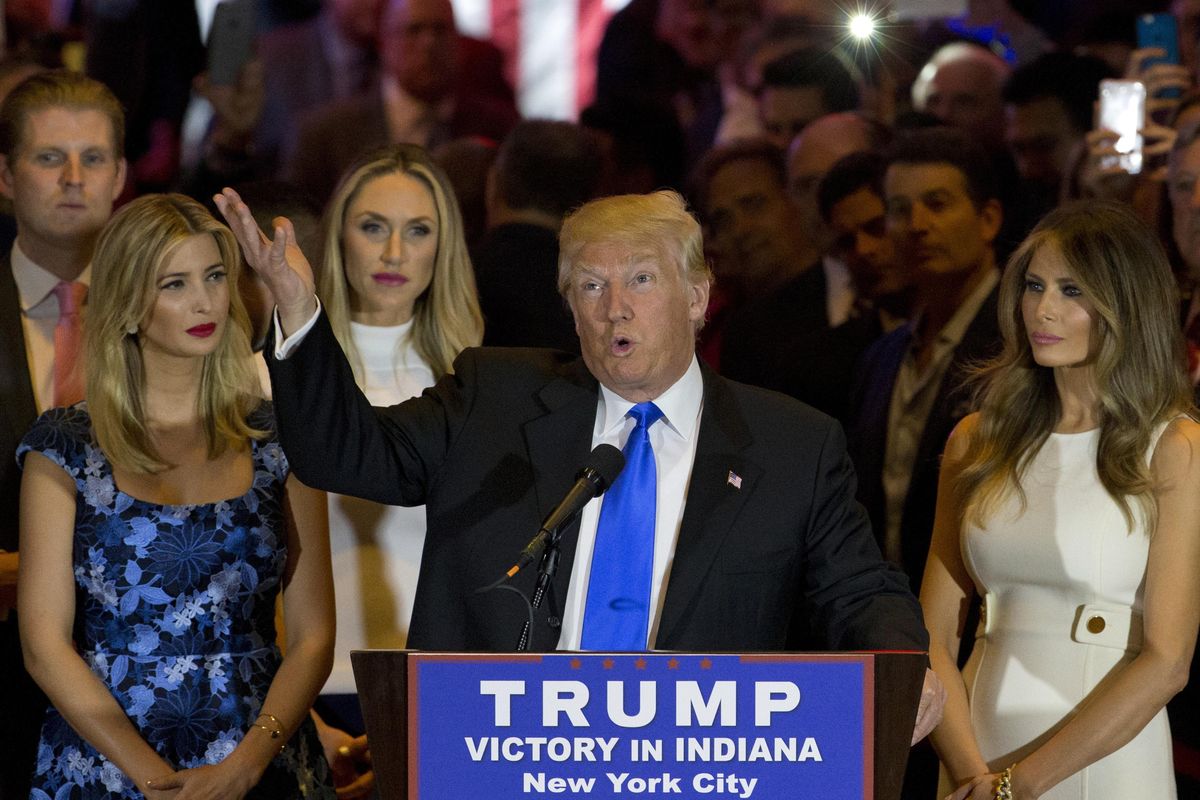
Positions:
(839, 291)
(39, 316)
(673, 439)
(913, 397)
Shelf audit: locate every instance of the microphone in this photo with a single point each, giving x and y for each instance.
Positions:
(602, 468)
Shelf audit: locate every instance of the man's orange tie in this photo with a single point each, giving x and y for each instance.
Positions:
(68, 341)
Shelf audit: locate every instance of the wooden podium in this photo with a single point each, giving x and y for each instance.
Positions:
(879, 718)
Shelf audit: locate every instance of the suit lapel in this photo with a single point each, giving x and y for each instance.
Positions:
(559, 442)
(872, 399)
(722, 479)
(883, 372)
(980, 342)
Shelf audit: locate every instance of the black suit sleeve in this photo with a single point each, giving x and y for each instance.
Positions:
(856, 600)
(336, 441)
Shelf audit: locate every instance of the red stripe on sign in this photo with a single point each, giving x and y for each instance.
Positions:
(592, 20)
(506, 35)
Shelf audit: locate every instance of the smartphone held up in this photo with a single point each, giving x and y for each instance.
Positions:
(1159, 32)
(1123, 111)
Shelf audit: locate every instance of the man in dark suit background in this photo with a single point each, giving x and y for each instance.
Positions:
(62, 165)
(757, 538)
(769, 281)
(419, 98)
(543, 170)
(666, 53)
(944, 216)
(821, 369)
(331, 56)
(804, 338)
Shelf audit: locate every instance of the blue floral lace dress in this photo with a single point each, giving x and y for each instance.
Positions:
(175, 613)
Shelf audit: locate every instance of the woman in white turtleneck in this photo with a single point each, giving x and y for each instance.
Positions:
(399, 290)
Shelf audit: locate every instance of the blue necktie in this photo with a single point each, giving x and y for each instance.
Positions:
(617, 612)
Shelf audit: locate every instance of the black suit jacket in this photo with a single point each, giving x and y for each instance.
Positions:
(761, 338)
(820, 369)
(517, 272)
(21, 703)
(872, 397)
(490, 449)
(634, 69)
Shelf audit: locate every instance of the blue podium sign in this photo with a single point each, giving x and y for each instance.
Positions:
(640, 725)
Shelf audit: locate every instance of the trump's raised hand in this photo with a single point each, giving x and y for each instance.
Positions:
(278, 261)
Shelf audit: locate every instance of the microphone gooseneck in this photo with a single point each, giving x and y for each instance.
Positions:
(602, 468)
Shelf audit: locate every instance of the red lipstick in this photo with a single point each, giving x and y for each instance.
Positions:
(202, 331)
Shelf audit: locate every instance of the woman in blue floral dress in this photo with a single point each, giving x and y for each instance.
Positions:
(159, 525)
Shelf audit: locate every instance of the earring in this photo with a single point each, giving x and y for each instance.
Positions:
(131, 330)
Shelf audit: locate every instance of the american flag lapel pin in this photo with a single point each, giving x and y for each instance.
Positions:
(734, 480)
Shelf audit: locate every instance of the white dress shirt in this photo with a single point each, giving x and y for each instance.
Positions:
(39, 316)
(913, 396)
(839, 291)
(673, 439)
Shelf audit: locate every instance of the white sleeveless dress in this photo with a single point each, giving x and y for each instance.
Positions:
(1063, 590)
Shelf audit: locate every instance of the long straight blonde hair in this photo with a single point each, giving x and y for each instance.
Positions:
(1139, 372)
(446, 317)
(133, 246)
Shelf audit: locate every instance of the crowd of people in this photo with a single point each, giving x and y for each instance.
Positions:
(898, 358)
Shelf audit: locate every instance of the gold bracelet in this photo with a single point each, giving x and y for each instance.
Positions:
(1003, 789)
(276, 731)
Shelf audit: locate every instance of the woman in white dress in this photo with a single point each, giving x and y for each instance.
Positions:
(398, 286)
(1071, 504)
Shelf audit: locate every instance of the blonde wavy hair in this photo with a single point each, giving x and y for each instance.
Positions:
(1138, 370)
(446, 317)
(138, 240)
